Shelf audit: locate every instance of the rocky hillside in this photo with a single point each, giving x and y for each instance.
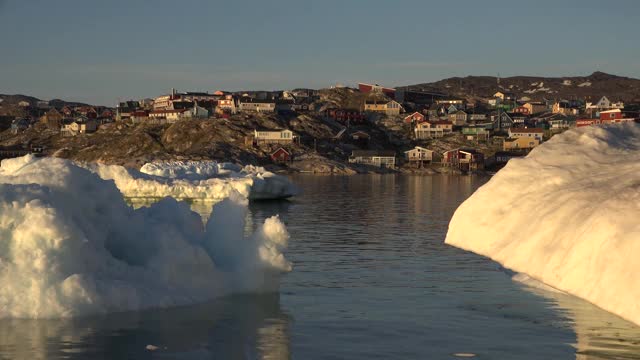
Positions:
(590, 87)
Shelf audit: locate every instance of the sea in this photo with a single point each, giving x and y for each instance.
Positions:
(372, 279)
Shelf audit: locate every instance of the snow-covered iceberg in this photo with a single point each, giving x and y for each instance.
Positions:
(70, 245)
(196, 180)
(566, 215)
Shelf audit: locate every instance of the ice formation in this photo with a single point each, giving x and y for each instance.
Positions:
(566, 215)
(204, 180)
(70, 246)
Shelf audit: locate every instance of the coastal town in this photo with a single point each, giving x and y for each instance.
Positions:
(368, 128)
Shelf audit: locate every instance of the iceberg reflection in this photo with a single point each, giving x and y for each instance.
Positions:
(237, 327)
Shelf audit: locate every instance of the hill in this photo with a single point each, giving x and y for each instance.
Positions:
(589, 88)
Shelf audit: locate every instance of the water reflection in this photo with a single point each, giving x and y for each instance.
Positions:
(599, 334)
(239, 327)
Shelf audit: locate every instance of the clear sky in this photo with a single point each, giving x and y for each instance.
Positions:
(100, 51)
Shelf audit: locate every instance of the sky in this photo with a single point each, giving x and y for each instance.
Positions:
(100, 51)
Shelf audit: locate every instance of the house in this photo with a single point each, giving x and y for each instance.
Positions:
(534, 133)
(604, 104)
(388, 107)
(564, 108)
(379, 158)
(535, 107)
(587, 122)
(81, 125)
(375, 88)
(88, 112)
(248, 104)
(52, 119)
(476, 132)
(67, 111)
(476, 118)
(416, 117)
(502, 121)
(614, 116)
(432, 129)
(168, 115)
(427, 130)
(504, 96)
(361, 139)
(516, 143)
(558, 124)
(268, 136)
(606, 117)
(522, 110)
(20, 125)
(458, 118)
(464, 159)
(446, 126)
(519, 120)
(419, 156)
(280, 156)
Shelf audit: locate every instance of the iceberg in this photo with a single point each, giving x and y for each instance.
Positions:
(196, 180)
(566, 215)
(71, 246)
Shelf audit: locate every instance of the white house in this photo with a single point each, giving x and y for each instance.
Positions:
(379, 158)
(169, 115)
(263, 136)
(604, 104)
(80, 126)
(419, 155)
(526, 133)
(257, 105)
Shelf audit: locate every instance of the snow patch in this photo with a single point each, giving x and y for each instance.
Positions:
(71, 246)
(567, 82)
(565, 215)
(584, 84)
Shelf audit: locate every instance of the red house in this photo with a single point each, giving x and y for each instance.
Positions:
(280, 156)
(610, 115)
(416, 117)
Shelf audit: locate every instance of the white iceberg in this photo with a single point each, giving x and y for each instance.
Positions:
(196, 180)
(70, 245)
(566, 215)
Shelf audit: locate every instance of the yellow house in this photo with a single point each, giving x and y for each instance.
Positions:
(390, 107)
(520, 143)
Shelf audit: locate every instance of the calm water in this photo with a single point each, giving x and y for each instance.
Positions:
(372, 280)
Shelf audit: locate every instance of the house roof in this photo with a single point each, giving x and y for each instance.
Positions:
(280, 149)
(381, 102)
(441, 122)
(256, 101)
(526, 130)
(264, 129)
(418, 148)
(367, 153)
(168, 111)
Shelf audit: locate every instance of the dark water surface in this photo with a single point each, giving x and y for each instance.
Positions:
(372, 279)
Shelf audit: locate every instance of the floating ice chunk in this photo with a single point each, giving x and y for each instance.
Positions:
(196, 180)
(565, 215)
(70, 245)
